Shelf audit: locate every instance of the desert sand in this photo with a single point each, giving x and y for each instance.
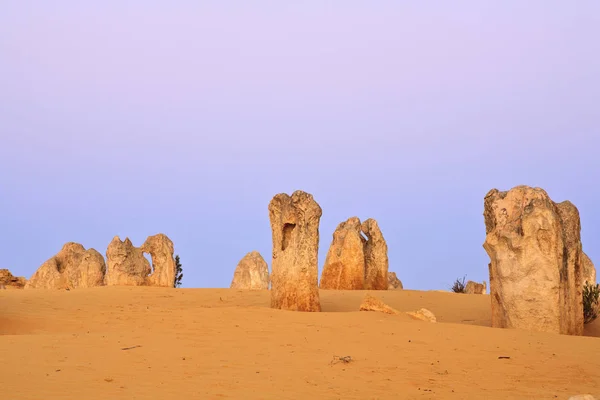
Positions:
(164, 343)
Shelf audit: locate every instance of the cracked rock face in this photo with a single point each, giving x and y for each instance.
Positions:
(72, 267)
(536, 261)
(376, 257)
(344, 267)
(252, 272)
(295, 230)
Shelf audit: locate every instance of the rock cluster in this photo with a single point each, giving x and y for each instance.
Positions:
(476, 287)
(295, 230)
(72, 267)
(75, 267)
(8, 281)
(353, 262)
(536, 261)
(252, 272)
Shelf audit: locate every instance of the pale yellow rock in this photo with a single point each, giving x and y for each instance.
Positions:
(126, 264)
(344, 267)
(161, 250)
(295, 231)
(376, 257)
(72, 267)
(371, 303)
(423, 314)
(476, 287)
(535, 252)
(252, 272)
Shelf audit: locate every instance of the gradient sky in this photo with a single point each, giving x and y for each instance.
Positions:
(131, 118)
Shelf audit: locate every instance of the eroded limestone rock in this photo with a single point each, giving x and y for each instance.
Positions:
(9, 281)
(423, 314)
(252, 272)
(371, 303)
(589, 271)
(126, 264)
(394, 282)
(536, 270)
(476, 287)
(295, 228)
(344, 267)
(161, 250)
(72, 267)
(376, 257)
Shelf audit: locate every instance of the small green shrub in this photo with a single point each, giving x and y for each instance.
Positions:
(178, 273)
(459, 285)
(591, 302)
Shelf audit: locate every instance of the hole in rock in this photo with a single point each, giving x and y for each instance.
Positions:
(287, 235)
(149, 258)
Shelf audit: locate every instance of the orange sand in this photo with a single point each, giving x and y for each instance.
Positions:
(223, 343)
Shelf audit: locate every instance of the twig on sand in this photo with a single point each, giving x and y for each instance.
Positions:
(343, 359)
(132, 347)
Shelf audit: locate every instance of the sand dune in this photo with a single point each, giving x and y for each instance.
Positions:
(157, 343)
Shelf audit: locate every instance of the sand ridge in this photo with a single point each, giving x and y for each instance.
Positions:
(226, 343)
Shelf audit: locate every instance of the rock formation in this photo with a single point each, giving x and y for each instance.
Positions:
(7, 280)
(535, 271)
(394, 282)
(371, 303)
(161, 249)
(72, 267)
(476, 287)
(252, 272)
(589, 271)
(376, 258)
(126, 264)
(344, 267)
(295, 228)
(423, 314)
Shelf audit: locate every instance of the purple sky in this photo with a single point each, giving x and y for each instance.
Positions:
(131, 118)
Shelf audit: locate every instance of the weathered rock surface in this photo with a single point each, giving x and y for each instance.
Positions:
(371, 303)
(536, 270)
(161, 249)
(394, 282)
(344, 267)
(295, 228)
(476, 287)
(423, 314)
(376, 257)
(9, 281)
(72, 267)
(126, 264)
(252, 272)
(589, 271)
